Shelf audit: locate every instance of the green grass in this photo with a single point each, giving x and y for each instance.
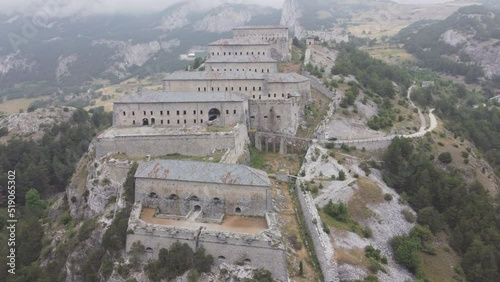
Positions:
(350, 225)
(257, 158)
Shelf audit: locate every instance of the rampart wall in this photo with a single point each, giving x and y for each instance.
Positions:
(263, 250)
(196, 144)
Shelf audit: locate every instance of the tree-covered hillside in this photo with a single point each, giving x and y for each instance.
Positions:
(450, 46)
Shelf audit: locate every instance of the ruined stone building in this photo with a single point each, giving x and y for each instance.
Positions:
(225, 208)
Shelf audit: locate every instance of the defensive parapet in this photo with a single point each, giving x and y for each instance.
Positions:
(261, 250)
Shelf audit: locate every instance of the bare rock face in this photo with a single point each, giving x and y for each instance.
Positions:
(290, 17)
(14, 62)
(453, 38)
(485, 54)
(33, 124)
(128, 55)
(226, 17)
(178, 18)
(63, 64)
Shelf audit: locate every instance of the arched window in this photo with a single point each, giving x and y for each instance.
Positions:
(247, 261)
(173, 197)
(153, 195)
(222, 258)
(197, 208)
(213, 114)
(194, 198)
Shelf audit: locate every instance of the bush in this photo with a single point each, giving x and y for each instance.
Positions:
(388, 197)
(445, 157)
(341, 175)
(337, 211)
(409, 216)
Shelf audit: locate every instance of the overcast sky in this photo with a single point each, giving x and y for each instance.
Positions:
(64, 8)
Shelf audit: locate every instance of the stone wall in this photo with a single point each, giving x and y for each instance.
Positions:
(277, 37)
(285, 89)
(321, 241)
(263, 250)
(279, 116)
(235, 50)
(262, 67)
(178, 114)
(213, 199)
(196, 144)
(252, 88)
(258, 89)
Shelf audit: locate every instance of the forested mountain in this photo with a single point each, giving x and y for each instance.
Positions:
(38, 59)
(467, 43)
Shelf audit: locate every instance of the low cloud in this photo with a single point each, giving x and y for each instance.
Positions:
(65, 8)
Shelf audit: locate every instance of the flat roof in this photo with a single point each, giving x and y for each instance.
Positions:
(178, 97)
(191, 171)
(238, 41)
(233, 224)
(238, 75)
(261, 27)
(242, 59)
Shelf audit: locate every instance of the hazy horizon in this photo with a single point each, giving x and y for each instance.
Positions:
(65, 8)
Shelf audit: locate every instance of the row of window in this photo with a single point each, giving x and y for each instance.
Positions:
(269, 96)
(227, 88)
(236, 53)
(252, 117)
(178, 112)
(256, 70)
(153, 122)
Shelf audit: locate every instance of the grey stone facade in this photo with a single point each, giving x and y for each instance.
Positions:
(276, 36)
(161, 142)
(262, 250)
(180, 187)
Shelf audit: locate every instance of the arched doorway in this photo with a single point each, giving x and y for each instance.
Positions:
(197, 208)
(213, 114)
(145, 122)
(153, 121)
(149, 253)
(238, 210)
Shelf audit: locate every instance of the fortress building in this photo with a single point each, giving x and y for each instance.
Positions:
(207, 204)
(275, 35)
(224, 207)
(240, 88)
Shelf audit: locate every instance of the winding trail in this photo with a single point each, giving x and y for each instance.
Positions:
(422, 131)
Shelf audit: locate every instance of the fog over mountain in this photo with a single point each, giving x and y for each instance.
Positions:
(65, 8)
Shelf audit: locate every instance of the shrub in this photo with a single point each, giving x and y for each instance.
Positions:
(445, 157)
(341, 175)
(388, 197)
(465, 155)
(337, 211)
(409, 216)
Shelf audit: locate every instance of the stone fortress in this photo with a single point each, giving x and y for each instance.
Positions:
(183, 115)
(225, 208)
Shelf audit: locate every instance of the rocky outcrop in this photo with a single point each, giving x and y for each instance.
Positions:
(290, 17)
(33, 124)
(484, 53)
(128, 55)
(63, 63)
(226, 17)
(14, 62)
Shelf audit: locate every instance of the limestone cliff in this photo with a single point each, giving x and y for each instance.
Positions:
(32, 124)
(290, 17)
(228, 16)
(485, 53)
